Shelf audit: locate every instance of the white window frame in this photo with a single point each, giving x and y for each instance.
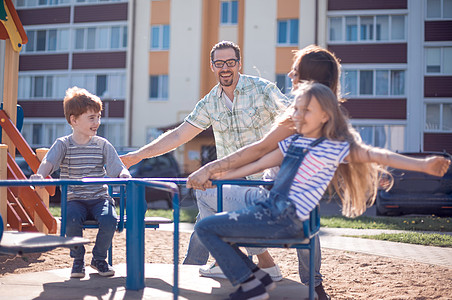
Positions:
(442, 59)
(387, 126)
(441, 102)
(374, 68)
(441, 12)
(160, 91)
(115, 88)
(358, 15)
(288, 33)
(161, 37)
(60, 45)
(287, 83)
(97, 46)
(230, 13)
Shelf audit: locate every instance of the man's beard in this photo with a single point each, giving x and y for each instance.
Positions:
(226, 81)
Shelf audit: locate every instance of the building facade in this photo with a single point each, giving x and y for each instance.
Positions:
(149, 61)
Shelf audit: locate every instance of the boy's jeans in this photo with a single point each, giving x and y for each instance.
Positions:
(234, 198)
(268, 219)
(103, 211)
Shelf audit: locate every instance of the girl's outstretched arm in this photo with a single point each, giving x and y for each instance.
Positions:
(433, 165)
(200, 178)
(269, 160)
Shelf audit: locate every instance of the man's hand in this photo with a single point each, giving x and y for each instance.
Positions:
(130, 159)
(436, 165)
(199, 180)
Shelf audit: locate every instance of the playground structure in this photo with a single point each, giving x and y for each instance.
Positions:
(23, 208)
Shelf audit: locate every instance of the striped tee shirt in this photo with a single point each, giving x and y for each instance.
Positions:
(97, 158)
(315, 172)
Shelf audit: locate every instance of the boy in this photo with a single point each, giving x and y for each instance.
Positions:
(79, 155)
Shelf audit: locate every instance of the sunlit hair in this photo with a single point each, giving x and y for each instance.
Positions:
(355, 183)
(314, 63)
(225, 45)
(79, 101)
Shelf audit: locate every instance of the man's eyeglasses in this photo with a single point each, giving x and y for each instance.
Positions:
(230, 63)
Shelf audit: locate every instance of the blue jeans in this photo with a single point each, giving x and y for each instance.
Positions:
(103, 211)
(271, 219)
(234, 198)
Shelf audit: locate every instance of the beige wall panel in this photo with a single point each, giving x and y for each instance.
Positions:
(288, 9)
(160, 12)
(284, 60)
(158, 62)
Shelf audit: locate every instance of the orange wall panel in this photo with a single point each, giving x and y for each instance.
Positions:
(284, 60)
(210, 24)
(288, 9)
(160, 12)
(158, 62)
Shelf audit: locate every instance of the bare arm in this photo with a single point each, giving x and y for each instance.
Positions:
(244, 156)
(43, 171)
(163, 144)
(433, 165)
(269, 160)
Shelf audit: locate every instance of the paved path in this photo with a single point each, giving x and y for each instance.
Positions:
(333, 238)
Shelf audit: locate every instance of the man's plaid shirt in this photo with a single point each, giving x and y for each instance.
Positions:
(257, 102)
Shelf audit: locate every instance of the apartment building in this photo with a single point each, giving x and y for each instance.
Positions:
(72, 43)
(149, 61)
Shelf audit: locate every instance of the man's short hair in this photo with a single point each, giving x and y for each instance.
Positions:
(78, 101)
(225, 45)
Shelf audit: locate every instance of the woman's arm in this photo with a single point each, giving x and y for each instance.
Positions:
(433, 165)
(269, 160)
(200, 178)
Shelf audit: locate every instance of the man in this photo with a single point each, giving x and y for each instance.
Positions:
(240, 109)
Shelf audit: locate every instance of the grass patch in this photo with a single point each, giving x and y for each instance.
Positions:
(425, 239)
(186, 215)
(424, 223)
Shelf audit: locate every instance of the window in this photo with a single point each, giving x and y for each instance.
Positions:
(438, 117)
(47, 40)
(43, 133)
(439, 9)
(101, 38)
(384, 136)
(367, 28)
(288, 32)
(42, 87)
(110, 86)
(438, 60)
(284, 83)
(229, 12)
(34, 3)
(373, 82)
(158, 87)
(160, 37)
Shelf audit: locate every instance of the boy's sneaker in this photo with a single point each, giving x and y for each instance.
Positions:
(211, 271)
(258, 293)
(78, 269)
(102, 267)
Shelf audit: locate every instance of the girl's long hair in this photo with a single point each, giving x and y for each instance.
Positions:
(355, 183)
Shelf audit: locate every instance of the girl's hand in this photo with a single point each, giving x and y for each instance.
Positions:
(36, 176)
(436, 165)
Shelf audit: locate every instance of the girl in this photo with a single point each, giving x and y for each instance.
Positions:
(311, 63)
(329, 150)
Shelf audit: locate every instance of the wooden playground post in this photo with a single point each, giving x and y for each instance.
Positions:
(3, 175)
(43, 194)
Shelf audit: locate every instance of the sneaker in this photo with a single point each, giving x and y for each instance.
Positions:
(211, 271)
(268, 282)
(274, 272)
(258, 293)
(78, 269)
(102, 267)
(321, 293)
